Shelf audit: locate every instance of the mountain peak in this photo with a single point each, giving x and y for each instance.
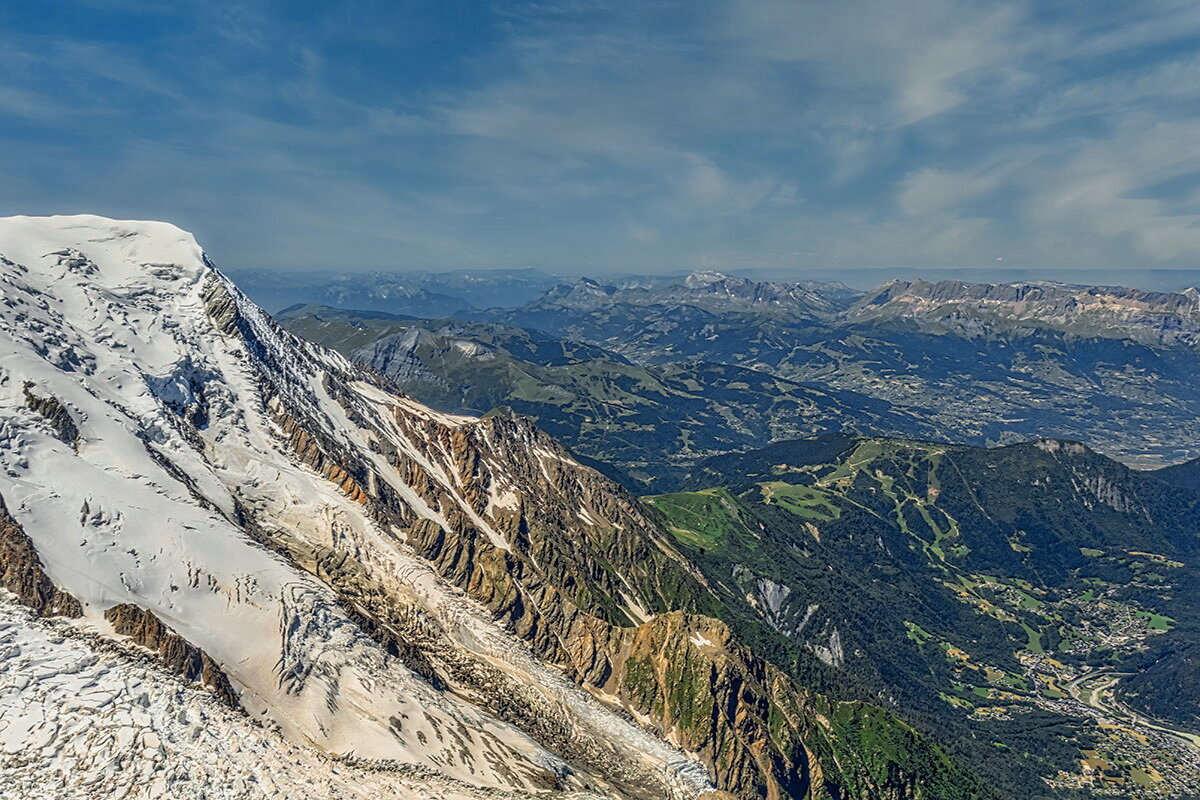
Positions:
(112, 250)
(168, 447)
(702, 278)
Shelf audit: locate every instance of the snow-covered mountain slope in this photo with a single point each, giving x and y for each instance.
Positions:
(164, 445)
(446, 596)
(88, 719)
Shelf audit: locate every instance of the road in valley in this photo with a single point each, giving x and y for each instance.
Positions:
(1094, 689)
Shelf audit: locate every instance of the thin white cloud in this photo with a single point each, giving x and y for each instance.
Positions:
(1105, 191)
(928, 191)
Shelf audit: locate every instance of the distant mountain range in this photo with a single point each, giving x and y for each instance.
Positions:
(651, 376)
(1157, 318)
(867, 278)
(371, 288)
(421, 293)
(711, 291)
(643, 424)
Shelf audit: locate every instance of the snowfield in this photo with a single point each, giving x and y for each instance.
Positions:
(109, 319)
(78, 720)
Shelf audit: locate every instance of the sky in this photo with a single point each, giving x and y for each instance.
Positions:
(639, 135)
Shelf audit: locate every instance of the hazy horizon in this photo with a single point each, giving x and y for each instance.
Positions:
(861, 278)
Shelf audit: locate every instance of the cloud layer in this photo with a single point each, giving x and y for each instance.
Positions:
(586, 135)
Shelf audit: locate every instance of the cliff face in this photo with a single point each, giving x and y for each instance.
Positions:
(176, 653)
(22, 572)
(1168, 318)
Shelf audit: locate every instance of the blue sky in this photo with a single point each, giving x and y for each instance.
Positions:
(586, 135)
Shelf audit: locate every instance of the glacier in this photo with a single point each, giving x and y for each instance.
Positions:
(172, 490)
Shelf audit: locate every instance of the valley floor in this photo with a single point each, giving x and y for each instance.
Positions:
(1137, 757)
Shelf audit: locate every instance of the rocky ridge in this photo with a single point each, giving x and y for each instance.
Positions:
(1165, 318)
(581, 600)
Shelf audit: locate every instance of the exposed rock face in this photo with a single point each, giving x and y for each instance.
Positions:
(693, 682)
(1158, 317)
(399, 352)
(175, 652)
(22, 573)
(1094, 478)
(55, 413)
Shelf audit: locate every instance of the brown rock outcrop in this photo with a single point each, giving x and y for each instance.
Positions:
(55, 413)
(22, 572)
(176, 653)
